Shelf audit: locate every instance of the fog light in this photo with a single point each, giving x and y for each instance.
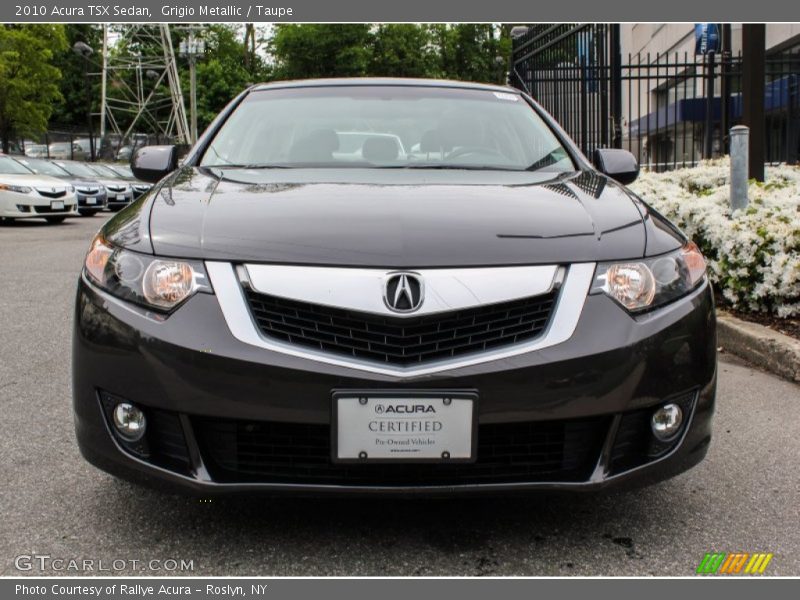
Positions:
(666, 421)
(129, 422)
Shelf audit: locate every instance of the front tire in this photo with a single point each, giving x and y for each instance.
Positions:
(55, 220)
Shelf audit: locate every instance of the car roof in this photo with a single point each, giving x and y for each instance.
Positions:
(382, 81)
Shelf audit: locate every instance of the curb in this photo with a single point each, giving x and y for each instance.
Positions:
(759, 345)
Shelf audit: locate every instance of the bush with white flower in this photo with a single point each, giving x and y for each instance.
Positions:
(753, 254)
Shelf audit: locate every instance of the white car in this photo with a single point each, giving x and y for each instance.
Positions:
(25, 195)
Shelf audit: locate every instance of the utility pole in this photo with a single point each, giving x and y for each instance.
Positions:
(104, 84)
(753, 65)
(136, 103)
(83, 50)
(192, 48)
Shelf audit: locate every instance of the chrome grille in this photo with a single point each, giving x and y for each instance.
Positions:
(52, 193)
(401, 341)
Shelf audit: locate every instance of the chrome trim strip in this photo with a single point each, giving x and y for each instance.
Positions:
(567, 312)
(363, 290)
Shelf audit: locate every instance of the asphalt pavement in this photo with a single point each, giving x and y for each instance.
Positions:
(745, 497)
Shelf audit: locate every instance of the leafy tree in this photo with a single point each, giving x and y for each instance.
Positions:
(222, 73)
(29, 81)
(323, 50)
(403, 50)
(473, 52)
(71, 110)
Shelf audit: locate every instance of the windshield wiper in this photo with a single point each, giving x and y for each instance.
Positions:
(547, 160)
(445, 166)
(246, 166)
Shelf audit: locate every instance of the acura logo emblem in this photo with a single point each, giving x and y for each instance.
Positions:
(403, 292)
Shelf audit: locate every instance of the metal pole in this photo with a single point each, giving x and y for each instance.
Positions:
(88, 107)
(708, 145)
(753, 65)
(739, 152)
(616, 86)
(193, 95)
(584, 116)
(103, 84)
(725, 88)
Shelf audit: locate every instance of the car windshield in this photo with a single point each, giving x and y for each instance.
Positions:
(8, 166)
(43, 167)
(123, 170)
(382, 126)
(103, 171)
(77, 169)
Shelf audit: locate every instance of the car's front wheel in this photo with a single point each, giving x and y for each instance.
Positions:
(55, 220)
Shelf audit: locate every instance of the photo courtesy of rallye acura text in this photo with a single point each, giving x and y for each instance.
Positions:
(391, 286)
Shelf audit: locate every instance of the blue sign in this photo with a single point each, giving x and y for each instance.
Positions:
(707, 38)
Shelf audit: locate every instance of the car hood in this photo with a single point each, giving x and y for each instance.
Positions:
(78, 181)
(394, 218)
(33, 180)
(114, 182)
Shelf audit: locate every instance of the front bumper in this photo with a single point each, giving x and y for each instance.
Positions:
(91, 202)
(139, 191)
(14, 205)
(119, 199)
(189, 371)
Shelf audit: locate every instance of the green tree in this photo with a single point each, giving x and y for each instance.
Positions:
(473, 52)
(29, 81)
(71, 110)
(403, 50)
(306, 51)
(222, 73)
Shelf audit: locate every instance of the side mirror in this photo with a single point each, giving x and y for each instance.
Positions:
(152, 163)
(618, 164)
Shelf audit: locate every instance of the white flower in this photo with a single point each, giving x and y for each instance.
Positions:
(754, 254)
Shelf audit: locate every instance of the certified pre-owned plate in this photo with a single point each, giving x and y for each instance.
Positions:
(402, 426)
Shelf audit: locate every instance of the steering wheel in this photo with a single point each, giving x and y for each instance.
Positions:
(464, 150)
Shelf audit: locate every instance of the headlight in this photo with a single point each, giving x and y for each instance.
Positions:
(20, 189)
(652, 282)
(160, 283)
(70, 188)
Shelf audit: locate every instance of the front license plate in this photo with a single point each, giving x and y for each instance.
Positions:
(91, 201)
(121, 197)
(404, 428)
(57, 205)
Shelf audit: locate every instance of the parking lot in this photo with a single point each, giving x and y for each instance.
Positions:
(744, 498)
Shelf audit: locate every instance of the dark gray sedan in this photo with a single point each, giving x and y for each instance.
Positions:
(395, 287)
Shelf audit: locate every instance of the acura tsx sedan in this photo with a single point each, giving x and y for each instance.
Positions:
(462, 303)
(25, 194)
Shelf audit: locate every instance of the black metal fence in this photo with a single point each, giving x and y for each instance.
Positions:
(669, 110)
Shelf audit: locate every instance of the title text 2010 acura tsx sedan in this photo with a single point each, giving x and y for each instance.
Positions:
(393, 286)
